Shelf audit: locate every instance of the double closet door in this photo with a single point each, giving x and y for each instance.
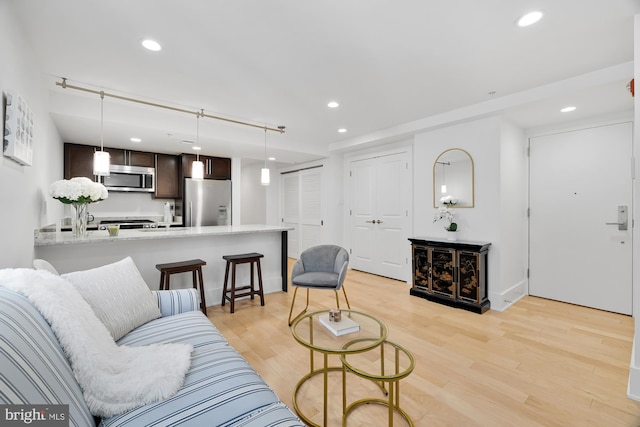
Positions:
(379, 221)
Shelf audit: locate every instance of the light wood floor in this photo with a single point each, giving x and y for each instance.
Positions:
(540, 363)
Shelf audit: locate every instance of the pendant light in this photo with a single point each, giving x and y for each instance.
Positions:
(101, 159)
(265, 179)
(443, 187)
(197, 167)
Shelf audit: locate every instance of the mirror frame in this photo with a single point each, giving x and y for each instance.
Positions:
(436, 204)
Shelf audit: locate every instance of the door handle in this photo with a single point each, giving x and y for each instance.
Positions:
(371, 222)
(622, 218)
(378, 221)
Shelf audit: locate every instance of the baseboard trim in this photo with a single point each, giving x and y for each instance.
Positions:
(633, 386)
(501, 301)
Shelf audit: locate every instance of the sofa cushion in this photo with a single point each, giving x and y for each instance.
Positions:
(191, 327)
(118, 295)
(220, 389)
(176, 301)
(34, 367)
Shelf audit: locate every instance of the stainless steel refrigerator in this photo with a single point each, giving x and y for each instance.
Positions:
(207, 202)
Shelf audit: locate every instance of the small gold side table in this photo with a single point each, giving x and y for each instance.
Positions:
(391, 378)
(311, 334)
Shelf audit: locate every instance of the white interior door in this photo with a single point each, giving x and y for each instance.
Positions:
(302, 209)
(380, 189)
(578, 181)
(363, 210)
(310, 208)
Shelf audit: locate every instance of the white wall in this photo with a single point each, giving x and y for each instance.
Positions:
(253, 195)
(499, 157)
(514, 200)
(26, 204)
(272, 208)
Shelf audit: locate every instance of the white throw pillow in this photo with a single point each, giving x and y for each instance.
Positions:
(118, 295)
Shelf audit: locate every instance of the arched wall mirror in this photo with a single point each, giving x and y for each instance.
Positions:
(453, 176)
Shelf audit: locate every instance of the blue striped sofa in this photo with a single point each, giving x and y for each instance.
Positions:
(220, 389)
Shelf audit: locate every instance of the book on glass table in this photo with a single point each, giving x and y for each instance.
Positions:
(343, 327)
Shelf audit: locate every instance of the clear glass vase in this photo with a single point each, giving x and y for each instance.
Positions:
(79, 213)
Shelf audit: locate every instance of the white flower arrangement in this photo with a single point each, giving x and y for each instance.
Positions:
(445, 213)
(78, 190)
(449, 201)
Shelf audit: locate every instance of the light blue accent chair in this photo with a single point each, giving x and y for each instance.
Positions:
(321, 267)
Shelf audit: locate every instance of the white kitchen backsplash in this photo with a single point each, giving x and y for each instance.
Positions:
(129, 205)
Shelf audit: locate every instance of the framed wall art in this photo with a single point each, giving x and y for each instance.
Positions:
(18, 129)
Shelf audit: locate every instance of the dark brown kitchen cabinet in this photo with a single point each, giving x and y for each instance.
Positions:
(451, 272)
(214, 167)
(131, 158)
(167, 177)
(78, 160)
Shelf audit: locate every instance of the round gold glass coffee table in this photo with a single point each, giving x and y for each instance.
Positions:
(312, 334)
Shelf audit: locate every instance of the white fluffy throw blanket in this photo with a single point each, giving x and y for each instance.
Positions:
(114, 379)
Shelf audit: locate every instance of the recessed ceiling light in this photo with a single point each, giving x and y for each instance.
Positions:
(530, 18)
(333, 104)
(197, 147)
(342, 130)
(568, 109)
(134, 139)
(151, 45)
(272, 158)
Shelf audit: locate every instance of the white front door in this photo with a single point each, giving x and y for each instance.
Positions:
(579, 181)
(380, 196)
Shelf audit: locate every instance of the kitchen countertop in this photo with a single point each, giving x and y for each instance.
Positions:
(51, 238)
(65, 224)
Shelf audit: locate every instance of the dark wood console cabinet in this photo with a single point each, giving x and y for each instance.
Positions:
(451, 272)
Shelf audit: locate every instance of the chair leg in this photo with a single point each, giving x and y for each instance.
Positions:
(226, 279)
(253, 289)
(204, 303)
(260, 291)
(167, 278)
(232, 301)
(345, 297)
(295, 292)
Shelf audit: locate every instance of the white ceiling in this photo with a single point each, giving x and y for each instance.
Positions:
(395, 68)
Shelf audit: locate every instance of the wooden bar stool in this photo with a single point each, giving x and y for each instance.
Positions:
(194, 266)
(232, 260)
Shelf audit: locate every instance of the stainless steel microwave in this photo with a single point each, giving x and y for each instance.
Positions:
(130, 178)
